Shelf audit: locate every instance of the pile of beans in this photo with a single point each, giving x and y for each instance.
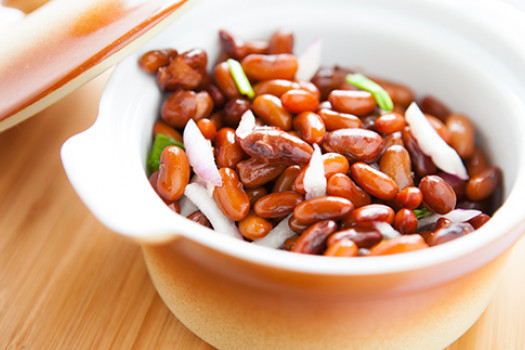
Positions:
(375, 169)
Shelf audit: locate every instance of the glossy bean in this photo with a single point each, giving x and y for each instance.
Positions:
(227, 152)
(333, 163)
(462, 135)
(275, 205)
(356, 144)
(151, 61)
(297, 101)
(373, 181)
(290, 242)
(178, 108)
(216, 95)
(255, 193)
(477, 162)
(342, 248)
(254, 172)
(275, 87)
(456, 183)
(281, 42)
(409, 197)
(484, 184)
(310, 87)
(173, 205)
(400, 94)
(328, 79)
(438, 195)
(449, 233)
(405, 221)
(264, 67)
(342, 186)
(224, 81)
(207, 128)
(479, 220)
(396, 163)
(297, 226)
(162, 128)
(440, 127)
(174, 173)
(285, 181)
(355, 102)
(431, 105)
(310, 127)
(335, 120)
(200, 218)
(185, 71)
(322, 208)
(270, 109)
(389, 122)
(237, 48)
(230, 197)
(400, 244)
(233, 111)
(421, 163)
(313, 239)
(254, 227)
(392, 139)
(367, 215)
(362, 237)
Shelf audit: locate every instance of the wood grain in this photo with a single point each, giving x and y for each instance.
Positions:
(67, 282)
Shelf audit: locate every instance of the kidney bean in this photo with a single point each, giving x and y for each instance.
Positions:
(361, 236)
(365, 216)
(440, 127)
(272, 144)
(162, 128)
(322, 208)
(310, 127)
(405, 221)
(281, 42)
(395, 162)
(313, 239)
(356, 102)
(442, 223)
(174, 173)
(479, 220)
(285, 181)
(278, 204)
(477, 162)
(310, 87)
(255, 193)
(431, 105)
(216, 95)
(438, 195)
(178, 108)
(409, 197)
(151, 61)
(400, 244)
(275, 87)
(373, 181)
(173, 205)
(254, 172)
(333, 163)
(356, 144)
(207, 128)
(334, 120)
(227, 152)
(233, 111)
(254, 227)
(391, 140)
(237, 48)
(421, 163)
(200, 218)
(230, 197)
(297, 101)
(455, 182)
(462, 135)
(341, 185)
(389, 122)
(290, 242)
(449, 233)
(270, 109)
(225, 82)
(328, 79)
(484, 184)
(297, 226)
(185, 71)
(264, 67)
(343, 248)
(400, 94)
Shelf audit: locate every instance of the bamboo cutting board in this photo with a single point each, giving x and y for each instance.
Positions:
(67, 282)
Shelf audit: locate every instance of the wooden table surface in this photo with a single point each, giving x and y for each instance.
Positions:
(67, 282)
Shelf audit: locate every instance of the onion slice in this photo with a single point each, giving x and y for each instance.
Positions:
(277, 236)
(386, 230)
(200, 154)
(246, 124)
(456, 216)
(309, 61)
(314, 176)
(443, 156)
(220, 222)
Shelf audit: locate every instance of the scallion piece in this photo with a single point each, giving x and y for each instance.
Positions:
(243, 84)
(421, 213)
(382, 98)
(161, 142)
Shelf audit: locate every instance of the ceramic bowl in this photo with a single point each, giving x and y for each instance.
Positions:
(235, 295)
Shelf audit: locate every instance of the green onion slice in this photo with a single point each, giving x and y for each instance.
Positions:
(421, 213)
(382, 98)
(243, 84)
(161, 142)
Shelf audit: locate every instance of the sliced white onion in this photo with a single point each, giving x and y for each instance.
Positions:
(443, 156)
(246, 124)
(200, 154)
(309, 61)
(186, 206)
(386, 230)
(220, 222)
(456, 216)
(314, 176)
(276, 237)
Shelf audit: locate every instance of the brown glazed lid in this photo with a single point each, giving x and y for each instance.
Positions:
(61, 44)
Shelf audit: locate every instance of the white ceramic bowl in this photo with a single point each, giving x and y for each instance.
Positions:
(236, 295)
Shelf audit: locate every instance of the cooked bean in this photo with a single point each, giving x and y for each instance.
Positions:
(334, 120)
(254, 227)
(477, 162)
(233, 111)
(224, 80)
(310, 87)
(341, 185)
(227, 152)
(400, 94)
(179, 107)
(373, 181)
(281, 42)
(207, 128)
(264, 67)
(405, 221)
(275, 205)
(455, 182)
(440, 127)
(409, 197)
(151, 61)
(449, 233)
(270, 109)
(392, 139)
(431, 105)
(479, 220)
(174, 173)
(322, 208)
(328, 79)
(400, 244)
(361, 236)
(343, 248)
(389, 122)
(462, 135)
(285, 181)
(313, 239)
(395, 162)
(438, 195)
(230, 197)
(484, 184)
(237, 48)
(365, 216)
(356, 144)
(255, 193)
(173, 205)
(290, 242)
(162, 128)
(310, 127)
(421, 163)
(297, 101)
(333, 163)
(254, 172)
(276, 87)
(200, 218)
(185, 71)
(216, 95)
(297, 226)
(356, 102)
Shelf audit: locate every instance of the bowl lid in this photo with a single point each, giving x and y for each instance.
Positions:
(63, 44)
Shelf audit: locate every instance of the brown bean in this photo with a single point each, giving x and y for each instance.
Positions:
(162, 128)
(438, 195)
(431, 105)
(389, 122)
(272, 144)
(389, 140)
(479, 220)
(409, 197)
(174, 173)
(356, 144)
(421, 163)
(233, 111)
(310, 87)
(477, 162)
(151, 61)
(365, 216)
(270, 109)
(462, 135)
(395, 162)
(255, 193)
(285, 181)
(440, 127)
(227, 152)
(400, 244)
(297, 226)
(207, 128)
(334, 120)
(297, 101)
(323, 208)
(342, 248)
(341, 185)
(328, 79)
(254, 227)
(200, 218)
(313, 239)
(230, 197)
(185, 71)
(356, 102)
(275, 205)
(216, 95)
(178, 108)
(455, 182)
(333, 163)
(484, 184)
(290, 242)
(281, 42)
(400, 94)
(173, 205)
(264, 67)
(310, 127)
(225, 82)
(449, 233)
(276, 87)
(373, 181)
(405, 221)
(361, 236)
(216, 119)
(254, 172)
(237, 48)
